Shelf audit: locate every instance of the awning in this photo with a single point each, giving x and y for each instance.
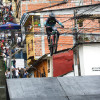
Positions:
(26, 16)
(22, 18)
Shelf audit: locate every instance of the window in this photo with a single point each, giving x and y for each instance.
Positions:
(28, 49)
(36, 20)
(32, 44)
(80, 22)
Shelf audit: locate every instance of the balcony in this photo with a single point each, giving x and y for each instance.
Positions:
(88, 38)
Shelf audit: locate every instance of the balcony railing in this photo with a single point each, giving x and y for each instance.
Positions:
(88, 38)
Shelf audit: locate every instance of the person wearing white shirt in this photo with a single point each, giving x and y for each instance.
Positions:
(17, 72)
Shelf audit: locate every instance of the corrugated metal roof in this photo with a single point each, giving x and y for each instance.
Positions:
(22, 18)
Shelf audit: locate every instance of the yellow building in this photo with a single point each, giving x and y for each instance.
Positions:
(30, 48)
(31, 22)
(30, 45)
(35, 45)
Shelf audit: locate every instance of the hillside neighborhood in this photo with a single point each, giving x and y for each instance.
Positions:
(49, 49)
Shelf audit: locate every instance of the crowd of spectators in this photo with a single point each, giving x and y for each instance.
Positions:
(17, 73)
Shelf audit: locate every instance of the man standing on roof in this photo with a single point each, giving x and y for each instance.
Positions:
(50, 26)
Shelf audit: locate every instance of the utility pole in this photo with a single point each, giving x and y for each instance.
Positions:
(91, 2)
(76, 60)
(75, 27)
(50, 2)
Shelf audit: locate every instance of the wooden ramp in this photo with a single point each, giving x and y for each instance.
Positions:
(60, 88)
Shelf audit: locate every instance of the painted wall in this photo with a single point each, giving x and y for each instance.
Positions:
(41, 70)
(62, 63)
(29, 46)
(50, 67)
(89, 55)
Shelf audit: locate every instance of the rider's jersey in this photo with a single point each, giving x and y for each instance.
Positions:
(51, 22)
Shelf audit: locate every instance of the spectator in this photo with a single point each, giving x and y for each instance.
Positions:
(19, 41)
(17, 73)
(22, 72)
(13, 72)
(7, 74)
(14, 62)
(25, 74)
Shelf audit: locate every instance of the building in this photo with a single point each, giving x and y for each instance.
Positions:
(66, 39)
(89, 54)
(59, 64)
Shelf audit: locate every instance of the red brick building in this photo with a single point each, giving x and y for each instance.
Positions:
(30, 5)
(64, 14)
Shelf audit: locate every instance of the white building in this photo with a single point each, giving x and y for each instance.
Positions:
(89, 58)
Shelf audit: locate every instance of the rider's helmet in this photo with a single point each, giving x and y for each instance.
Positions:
(51, 15)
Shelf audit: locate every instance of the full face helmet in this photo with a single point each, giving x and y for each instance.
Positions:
(51, 15)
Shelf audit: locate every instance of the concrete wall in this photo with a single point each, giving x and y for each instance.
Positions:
(89, 55)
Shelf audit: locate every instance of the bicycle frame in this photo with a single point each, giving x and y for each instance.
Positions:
(52, 37)
(53, 42)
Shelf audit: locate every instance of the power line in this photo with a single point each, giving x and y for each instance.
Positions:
(68, 19)
(48, 6)
(43, 39)
(80, 15)
(92, 30)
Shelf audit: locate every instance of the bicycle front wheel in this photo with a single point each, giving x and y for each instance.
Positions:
(55, 44)
(51, 47)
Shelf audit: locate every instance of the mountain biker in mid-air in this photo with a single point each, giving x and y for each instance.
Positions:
(50, 26)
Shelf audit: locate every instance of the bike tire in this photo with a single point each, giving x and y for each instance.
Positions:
(55, 44)
(51, 48)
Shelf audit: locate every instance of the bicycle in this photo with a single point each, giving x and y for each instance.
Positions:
(53, 42)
